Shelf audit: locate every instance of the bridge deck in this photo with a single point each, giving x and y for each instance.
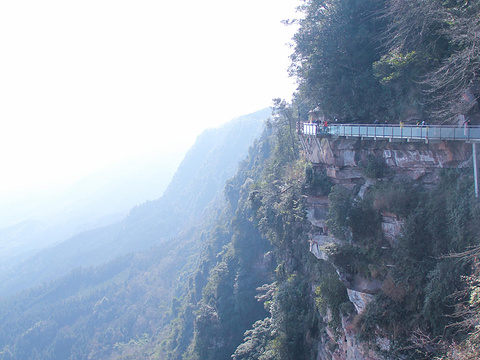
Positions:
(408, 132)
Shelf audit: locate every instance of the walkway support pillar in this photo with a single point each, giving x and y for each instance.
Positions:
(475, 170)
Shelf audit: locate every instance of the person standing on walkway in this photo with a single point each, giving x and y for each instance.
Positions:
(466, 127)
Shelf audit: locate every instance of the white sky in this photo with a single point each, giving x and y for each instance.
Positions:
(87, 83)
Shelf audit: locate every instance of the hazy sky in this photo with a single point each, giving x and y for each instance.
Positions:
(86, 83)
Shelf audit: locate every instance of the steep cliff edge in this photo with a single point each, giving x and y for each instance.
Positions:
(359, 228)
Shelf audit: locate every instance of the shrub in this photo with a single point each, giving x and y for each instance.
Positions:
(364, 222)
(373, 167)
(339, 211)
(317, 181)
(398, 198)
(331, 294)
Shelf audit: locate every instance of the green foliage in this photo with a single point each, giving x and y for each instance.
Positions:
(287, 146)
(294, 318)
(335, 47)
(338, 212)
(277, 198)
(231, 272)
(402, 59)
(278, 204)
(469, 312)
(419, 295)
(269, 201)
(258, 342)
(208, 331)
(331, 295)
(442, 35)
(399, 198)
(393, 65)
(316, 180)
(387, 314)
(364, 222)
(367, 261)
(373, 167)
(350, 219)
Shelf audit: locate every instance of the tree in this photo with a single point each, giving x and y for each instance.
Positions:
(335, 47)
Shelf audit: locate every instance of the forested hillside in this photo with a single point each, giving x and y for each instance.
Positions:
(121, 308)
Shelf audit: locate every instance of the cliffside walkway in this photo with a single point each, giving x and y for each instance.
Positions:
(425, 133)
(394, 132)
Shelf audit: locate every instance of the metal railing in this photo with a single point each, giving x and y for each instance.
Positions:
(408, 132)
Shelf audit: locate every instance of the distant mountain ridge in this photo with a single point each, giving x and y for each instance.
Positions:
(198, 181)
(32, 221)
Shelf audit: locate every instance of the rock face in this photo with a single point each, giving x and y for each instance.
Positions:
(391, 227)
(412, 160)
(359, 299)
(344, 159)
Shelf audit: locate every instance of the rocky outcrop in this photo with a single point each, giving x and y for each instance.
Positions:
(391, 227)
(317, 244)
(317, 208)
(418, 161)
(359, 299)
(344, 346)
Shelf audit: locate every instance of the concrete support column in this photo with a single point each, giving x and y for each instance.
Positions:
(475, 170)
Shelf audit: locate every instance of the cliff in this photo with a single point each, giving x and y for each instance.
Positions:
(362, 168)
(380, 219)
(346, 250)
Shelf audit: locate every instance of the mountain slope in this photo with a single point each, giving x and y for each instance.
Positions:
(125, 308)
(197, 182)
